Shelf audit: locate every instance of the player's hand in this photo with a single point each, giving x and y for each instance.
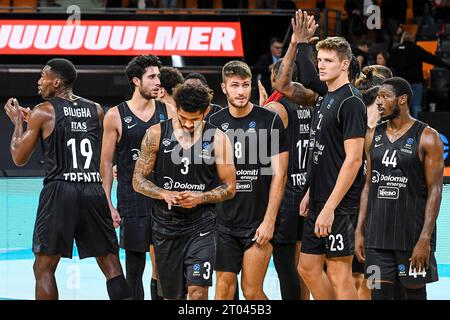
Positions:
(262, 94)
(359, 247)
(170, 197)
(304, 206)
(115, 217)
(264, 233)
(189, 199)
(420, 259)
(303, 28)
(25, 113)
(115, 172)
(324, 222)
(13, 110)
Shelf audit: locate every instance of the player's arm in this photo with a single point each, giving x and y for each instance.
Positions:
(23, 142)
(111, 125)
(279, 164)
(171, 110)
(359, 230)
(353, 119)
(431, 148)
(293, 91)
(226, 172)
(278, 108)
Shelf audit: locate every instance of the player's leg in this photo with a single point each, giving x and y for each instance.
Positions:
(286, 267)
(339, 271)
(134, 268)
(312, 260)
(117, 286)
(304, 291)
(228, 264)
(380, 272)
(155, 288)
(44, 268)
(254, 268)
(199, 262)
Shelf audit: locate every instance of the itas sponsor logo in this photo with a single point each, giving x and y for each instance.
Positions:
(135, 154)
(243, 186)
(391, 193)
(304, 128)
(78, 126)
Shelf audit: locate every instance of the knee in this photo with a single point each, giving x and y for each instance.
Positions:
(307, 270)
(251, 292)
(198, 293)
(41, 269)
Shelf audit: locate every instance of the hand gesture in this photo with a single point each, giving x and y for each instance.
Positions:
(14, 111)
(170, 197)
(264, 233)
(303, 28)
(189, 199)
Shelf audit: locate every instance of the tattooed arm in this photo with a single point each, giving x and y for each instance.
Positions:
(226, 172)
(145, 165)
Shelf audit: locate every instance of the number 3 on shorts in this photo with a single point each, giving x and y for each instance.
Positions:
(207, 273)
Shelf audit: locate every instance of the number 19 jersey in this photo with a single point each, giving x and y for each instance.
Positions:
(72, 151)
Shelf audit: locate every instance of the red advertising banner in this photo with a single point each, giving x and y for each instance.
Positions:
(124, 38)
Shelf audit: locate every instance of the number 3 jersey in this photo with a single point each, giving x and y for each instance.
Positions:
(177, 169)
(398, 191)
(72, 151)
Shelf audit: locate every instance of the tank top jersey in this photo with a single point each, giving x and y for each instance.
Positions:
(398, 192)
(128, 149)
(214, 108)
(72, 151)
(340, 116)
(177, 169)
(297, 134)
(251, 137)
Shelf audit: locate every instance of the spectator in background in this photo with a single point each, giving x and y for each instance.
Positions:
(265, 62)
(266, 4)
(423, 12)
(383, 59)
(407, 59)
(361, 51)
(170, 3)
(353, 26)
(393, 14)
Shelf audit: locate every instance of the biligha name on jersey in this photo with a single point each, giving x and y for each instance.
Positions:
(77, 112)
(82, 177)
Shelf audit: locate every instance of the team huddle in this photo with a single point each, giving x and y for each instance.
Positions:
(330, 175)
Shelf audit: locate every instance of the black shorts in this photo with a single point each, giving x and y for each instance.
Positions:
(69, 211)
(136, 233)
(288, 227)
(393, 266)
(230, 250)
(185, 260)
(341, 241)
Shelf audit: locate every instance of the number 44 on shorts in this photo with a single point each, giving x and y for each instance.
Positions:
(414, 273)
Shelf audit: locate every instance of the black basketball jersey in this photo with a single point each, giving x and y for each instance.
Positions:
(179, 169)
(340, 116)
(297, 134)
(72, 151)
(128, 149)
(251, 137)
(398, 192)
(214, 108)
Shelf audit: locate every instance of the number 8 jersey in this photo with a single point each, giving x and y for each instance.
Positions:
(398, 191)
(72, 151)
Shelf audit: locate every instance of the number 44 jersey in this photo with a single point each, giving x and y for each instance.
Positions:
(72, 151)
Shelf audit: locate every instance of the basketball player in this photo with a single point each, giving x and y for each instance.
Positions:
(124, 128)
(246, 223)
(289, 227)
(396, 231)
(186, 153)
(170, 78)
(72, 204)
